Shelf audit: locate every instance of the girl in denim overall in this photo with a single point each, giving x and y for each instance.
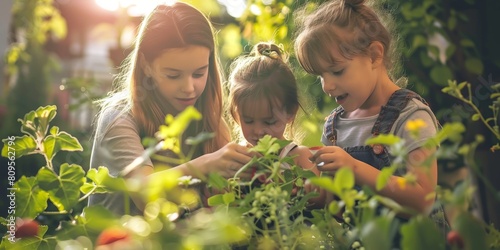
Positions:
(346, 44)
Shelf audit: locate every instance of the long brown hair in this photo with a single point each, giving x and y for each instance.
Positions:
(167, 27)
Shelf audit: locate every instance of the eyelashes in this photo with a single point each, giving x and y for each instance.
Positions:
(195, 75)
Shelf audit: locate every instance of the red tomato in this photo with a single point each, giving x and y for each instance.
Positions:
(27, 228)
(112, 235)
(455, 239)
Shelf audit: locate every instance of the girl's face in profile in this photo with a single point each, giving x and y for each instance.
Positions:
(350, 82)
(260, 118)
(181, 75)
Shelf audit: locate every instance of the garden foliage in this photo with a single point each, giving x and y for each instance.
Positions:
(272, 213)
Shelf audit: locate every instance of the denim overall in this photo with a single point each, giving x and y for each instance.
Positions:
(377, 155)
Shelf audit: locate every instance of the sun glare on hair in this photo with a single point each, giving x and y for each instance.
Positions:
(169, 2)
(110, 5)
(133, 7)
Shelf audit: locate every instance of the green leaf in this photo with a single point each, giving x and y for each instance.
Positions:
(98, 218)
(334, 207)
(63, 189)
(282, 32)
(228, 198)
(302, 173)
(101, 181)
(70, 231)
(474, 65)
(302, 203)
(440, 74)
(421, 233)
(30, 199)
(406, 10)
(434, 51)
(68, 142)
(217, 181)
(21, 146)
(36, 123)
(452, 131)
(471, 229)
(325, 183)
(58, 26)
(418, 12)
(384, 139)
(37, 242)
(176, 127)
(426, 60)
(450, 50)
(377, 233)
(60, 141)
(462, 85)
(269, 145)
(418, 41)
(452, 23)
(476, 117)
(343, 179)
(383, 177)
(466, 42)
(215, 200)
(157, 185)
(496, 87)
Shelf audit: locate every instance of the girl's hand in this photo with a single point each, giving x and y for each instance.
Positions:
(228, 160)
(331, 158)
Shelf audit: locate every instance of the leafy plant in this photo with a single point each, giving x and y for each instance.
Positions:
(491, 122)
(67, 185)
(270, 211)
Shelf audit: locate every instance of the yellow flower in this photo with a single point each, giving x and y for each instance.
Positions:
(415, 125)
(401, 181)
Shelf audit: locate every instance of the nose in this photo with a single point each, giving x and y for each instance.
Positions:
(328, 83)
(259, 130)
(188, 85)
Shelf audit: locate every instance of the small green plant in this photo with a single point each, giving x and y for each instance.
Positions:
(455, 89)
(273, 202)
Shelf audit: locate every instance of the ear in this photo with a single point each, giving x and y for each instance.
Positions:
(376, 52)
(143, 63)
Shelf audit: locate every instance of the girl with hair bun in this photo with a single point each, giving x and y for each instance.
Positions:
(264, 100)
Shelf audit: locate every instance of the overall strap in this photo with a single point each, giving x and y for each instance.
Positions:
(390, 112)
(286, 150)
(329, 127)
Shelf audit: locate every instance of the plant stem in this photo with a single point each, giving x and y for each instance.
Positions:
(478, 112)
(55, 212)
(472, 164)
(87, 195)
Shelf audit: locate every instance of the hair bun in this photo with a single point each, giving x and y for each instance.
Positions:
(354, 3)
(268, 49)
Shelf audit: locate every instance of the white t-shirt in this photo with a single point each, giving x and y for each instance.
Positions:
(355, 132)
